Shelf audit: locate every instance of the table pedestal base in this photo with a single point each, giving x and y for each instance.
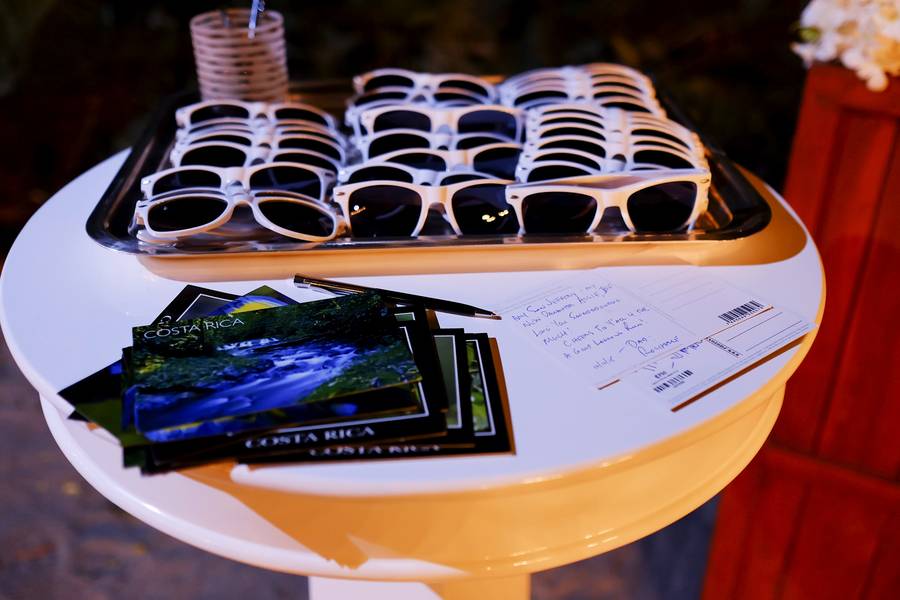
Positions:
(501, 588)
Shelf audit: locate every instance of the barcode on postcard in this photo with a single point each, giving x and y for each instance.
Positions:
(673, 381)
(741, 311)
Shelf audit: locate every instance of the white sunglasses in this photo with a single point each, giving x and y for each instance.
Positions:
(441, 98)
(188, 213)
(489, 118)
(227, 154)
(497, 159)
(388, 208)
(607, 148)
(403, 78)
(249, 136)
(667, 130)
(593, 70)
(560, 163)
(214, 110)
(378, 144)
(309, 181)
(388, 171)
(652, 202)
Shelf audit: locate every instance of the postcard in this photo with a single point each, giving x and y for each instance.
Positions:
(489, 410)
(666, 334)
(205, 371)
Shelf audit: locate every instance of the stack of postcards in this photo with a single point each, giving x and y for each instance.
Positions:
(263, 378)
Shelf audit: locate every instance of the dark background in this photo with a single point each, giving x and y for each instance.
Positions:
(78, 79)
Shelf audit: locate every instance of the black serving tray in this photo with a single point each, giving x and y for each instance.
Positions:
(736, 209)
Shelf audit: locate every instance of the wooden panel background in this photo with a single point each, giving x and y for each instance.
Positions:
(817, 513)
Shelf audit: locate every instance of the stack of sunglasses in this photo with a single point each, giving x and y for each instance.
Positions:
(279, 160)
(574, 139)
(440, 142)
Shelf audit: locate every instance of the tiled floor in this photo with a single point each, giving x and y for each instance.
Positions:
(61, 539)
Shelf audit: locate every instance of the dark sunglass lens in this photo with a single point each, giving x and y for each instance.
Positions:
(556, 172)
(401, 119)
(296, 217)
(384, 210)
(498, 161)
(305, 158)
(568, 157)
(455, 99)
(583, 111)
(482, 209)
(226, 137)
(558, 212)
(380, 173)
(629, 106)
(288, 179)
(662, 207)
(606, 92)
(660, 134)
(662, 159)
(538, 98)
(421, 160)
(582, 131)
(188, 178)
(214, 156)
(616, 83)
(300, 114)
(460, 177)
(305, 131)
(590, 148)
(219, 111)
(380, 81)
(395, 141)
(185, 213)
(490, 121)
(476, 141)
(314, 145)
(462, 84)
(573, 121)
(378, 97)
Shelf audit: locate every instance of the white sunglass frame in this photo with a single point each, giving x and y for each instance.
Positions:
(436, 141)
(443, 120)
(423, 81)
(589, 69)
(650, 108)
(251, 154)
(614, 197)
(608, 165)
(256, 111)
(614, 144)
(419, 176)
(535, 123)
(229, 176)
(251, 199)
(410, 96)
(256, 136)
(452, 158)
(260, 128)
(430, 195)
(586, 90)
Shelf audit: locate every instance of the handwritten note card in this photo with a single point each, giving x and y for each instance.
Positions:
(668, 339)
(597, 327)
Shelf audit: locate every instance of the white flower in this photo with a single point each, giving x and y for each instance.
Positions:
(863, 34)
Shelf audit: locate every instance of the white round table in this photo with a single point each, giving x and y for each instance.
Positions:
(593, 470)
